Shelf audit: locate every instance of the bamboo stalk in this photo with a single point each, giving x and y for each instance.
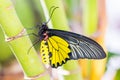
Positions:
(25, 13)
(5, 52)
(97, 70)
(90, 19)
(117, 76)
(12, 26)
(59, 21)
(85, 68)
(91, 16)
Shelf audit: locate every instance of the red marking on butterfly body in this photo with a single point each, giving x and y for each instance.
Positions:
(46, 36)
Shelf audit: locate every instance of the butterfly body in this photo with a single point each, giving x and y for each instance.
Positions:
(57, 47)
(43, 32)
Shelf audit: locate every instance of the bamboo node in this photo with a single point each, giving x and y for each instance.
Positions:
(36, 77)
(16, 37)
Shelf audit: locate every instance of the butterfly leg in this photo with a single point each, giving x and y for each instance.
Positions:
(33, 34)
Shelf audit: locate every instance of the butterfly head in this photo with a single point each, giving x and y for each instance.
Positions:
(43, 31)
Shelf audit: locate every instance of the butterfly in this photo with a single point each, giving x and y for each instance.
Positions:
(58, 46)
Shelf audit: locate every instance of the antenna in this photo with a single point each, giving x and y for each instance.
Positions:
(53, 8)
(51, 13)
(32, 46)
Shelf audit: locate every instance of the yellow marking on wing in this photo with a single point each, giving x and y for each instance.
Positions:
(64, 48)
(54, 43)
(44, 52)
(59, 50)
(53, 57)
(58, 39)
(50, 46)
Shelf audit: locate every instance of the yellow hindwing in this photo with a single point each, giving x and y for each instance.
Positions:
(58, 51)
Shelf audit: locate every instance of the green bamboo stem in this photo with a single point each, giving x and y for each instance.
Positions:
(90, 21)
(59, 21)
(90, 17)
(25, 13)
(72, 7)
(12, 26)
(117, 76)
(5, 52)
(97, 70)
(37, 6)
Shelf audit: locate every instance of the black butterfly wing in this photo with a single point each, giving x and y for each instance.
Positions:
(80, 46)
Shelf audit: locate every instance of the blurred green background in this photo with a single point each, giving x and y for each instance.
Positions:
(98, 19)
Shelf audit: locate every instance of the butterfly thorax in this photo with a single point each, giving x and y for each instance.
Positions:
(43, 32)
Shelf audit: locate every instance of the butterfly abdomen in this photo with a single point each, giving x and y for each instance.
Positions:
(44, 52)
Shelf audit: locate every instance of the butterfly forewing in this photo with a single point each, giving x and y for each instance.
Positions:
(80, 46)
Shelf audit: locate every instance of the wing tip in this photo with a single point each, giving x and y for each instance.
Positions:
(103, 55)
